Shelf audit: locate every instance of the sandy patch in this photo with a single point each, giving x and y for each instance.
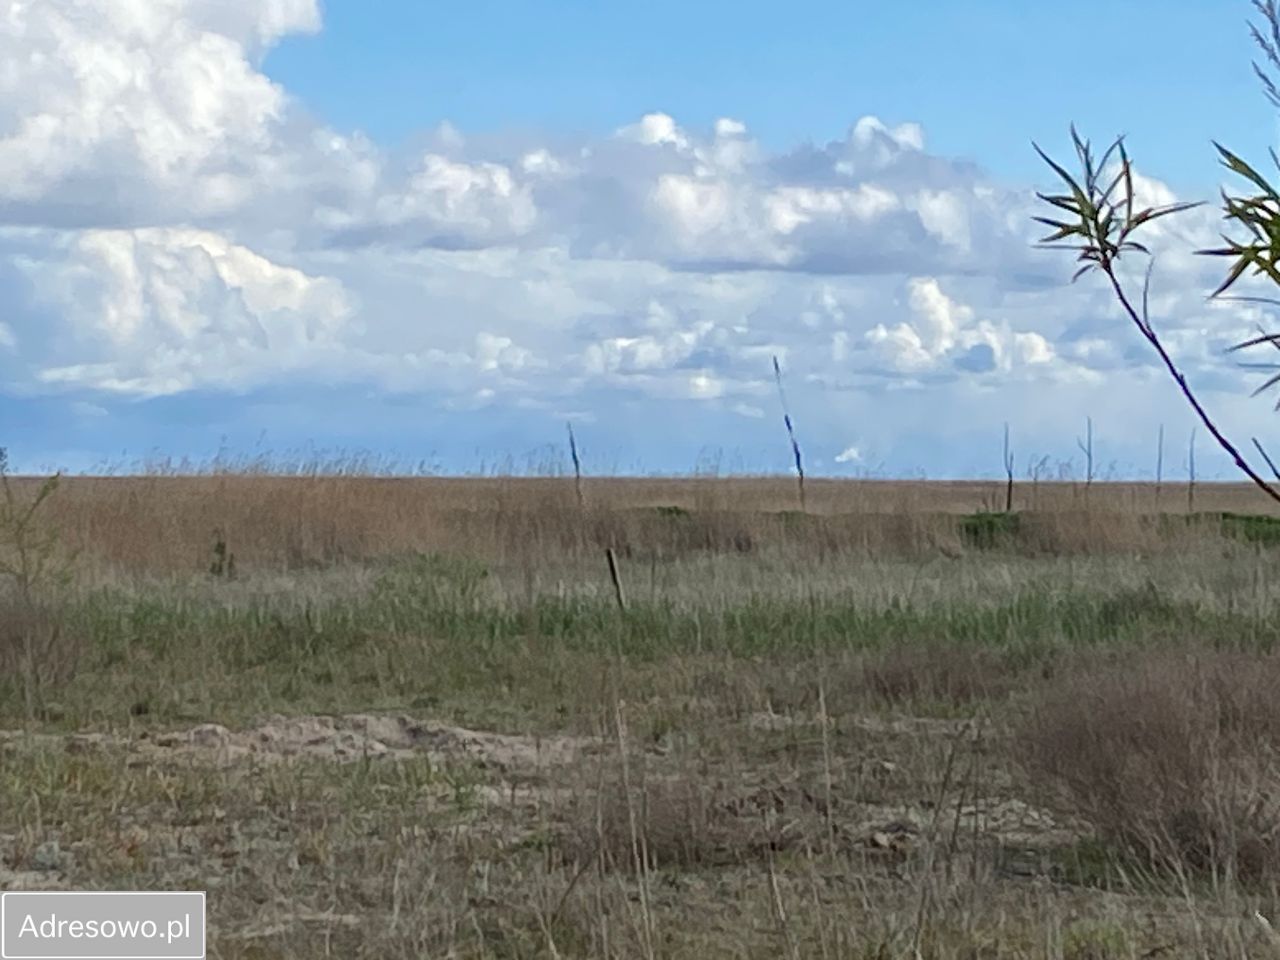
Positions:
(338, 738)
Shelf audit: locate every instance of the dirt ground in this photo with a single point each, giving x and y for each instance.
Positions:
(874, 812)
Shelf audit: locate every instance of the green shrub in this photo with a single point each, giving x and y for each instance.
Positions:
(1252, 528)
(987, 530)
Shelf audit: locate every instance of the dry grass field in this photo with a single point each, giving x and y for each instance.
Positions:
(397, 718)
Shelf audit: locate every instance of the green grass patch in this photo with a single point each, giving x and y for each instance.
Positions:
(671, 512)
(987, 531)
(430, 631)
(1252, 528)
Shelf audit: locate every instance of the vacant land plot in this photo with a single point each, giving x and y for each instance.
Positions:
(420, 718)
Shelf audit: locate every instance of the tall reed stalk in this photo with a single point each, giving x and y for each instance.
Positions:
(791, 433)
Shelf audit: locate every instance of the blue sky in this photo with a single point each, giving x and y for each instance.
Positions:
(437, 233)
(983, 78)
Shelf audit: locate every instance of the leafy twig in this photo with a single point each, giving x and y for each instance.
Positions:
(1105, 226)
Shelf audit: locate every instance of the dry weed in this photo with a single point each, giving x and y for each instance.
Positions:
(1172, 758)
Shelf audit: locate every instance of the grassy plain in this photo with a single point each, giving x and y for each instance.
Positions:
(381, 717)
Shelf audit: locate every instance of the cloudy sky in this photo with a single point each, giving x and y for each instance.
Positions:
(437, 233)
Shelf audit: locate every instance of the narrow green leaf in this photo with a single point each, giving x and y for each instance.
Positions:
(1270, 382)
(1128, 184)
(1062, 203)
(1085, 206)
(1239, 166)
(1272, 338)
(1236, 270)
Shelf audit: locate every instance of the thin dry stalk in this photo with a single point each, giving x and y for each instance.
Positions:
(1086, 447)
(929, 879)
(1266, 458)
(791, 433)
(639, 854)
(577, 467)
(780, 911)
(1159, 464)
(1268, 931)
(1008, 472)
(1191, 472)
(616, 577)
(828, 778)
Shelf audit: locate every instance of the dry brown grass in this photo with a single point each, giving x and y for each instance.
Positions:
(164, 524)
(944, 675)
(665, 822)
(38, 646)
(1174, 758)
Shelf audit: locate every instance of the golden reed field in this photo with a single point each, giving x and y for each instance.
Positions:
(168, 523)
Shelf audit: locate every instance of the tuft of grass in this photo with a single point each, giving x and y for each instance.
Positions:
(1171, 759)
(666, 823)
(672, 511)
(949, 676)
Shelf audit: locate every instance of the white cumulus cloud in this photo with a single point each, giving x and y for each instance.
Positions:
(171, 221)
(160, 310)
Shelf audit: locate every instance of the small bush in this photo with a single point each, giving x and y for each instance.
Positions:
(37, 649)
(1173, 759)
(672, 822)
(945, 675)
(34, 567)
